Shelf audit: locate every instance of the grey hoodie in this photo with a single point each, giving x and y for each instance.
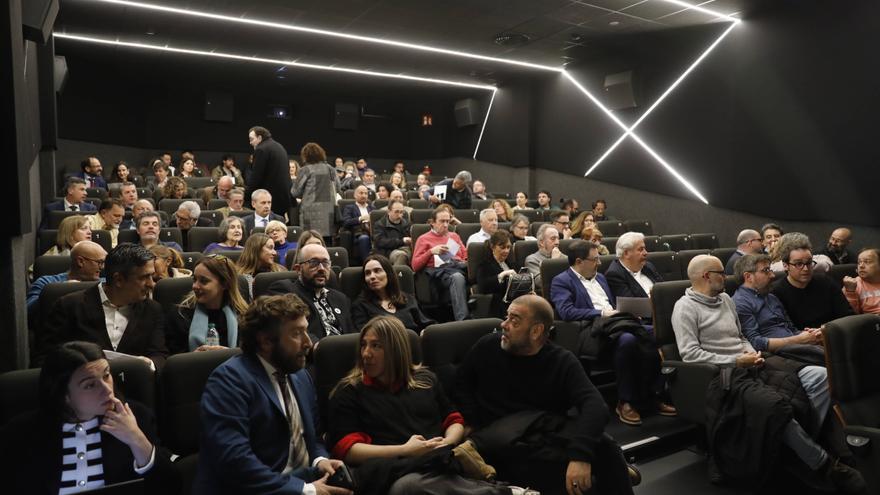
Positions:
(707, 329)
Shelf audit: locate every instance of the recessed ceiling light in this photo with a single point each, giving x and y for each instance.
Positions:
(614, 23)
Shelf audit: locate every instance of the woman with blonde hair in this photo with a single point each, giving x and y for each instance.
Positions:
(503, 210)
(214, 303)
(398, 181)
(73, 229)
(581, 224)
(278, 232)
(168, 263)
(175, 188)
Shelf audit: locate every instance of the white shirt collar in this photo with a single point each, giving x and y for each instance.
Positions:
(105, 301)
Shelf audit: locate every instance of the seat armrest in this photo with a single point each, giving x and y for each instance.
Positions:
(687, 386)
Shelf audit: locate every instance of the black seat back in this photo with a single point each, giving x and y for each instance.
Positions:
(190, 258)
(213, 215)
(675, 242)
(685, 257)
(666, 263)
(652, 243)
(466, 230)
(611, 228)
(169, 205)
(522, 250)
(102, 238)
(550, 269)
(723, 254)
(643, 226)
(263, 280)
(56, 216)
(851, 345)
(199, 238)
(50, 264)
(169, 292)
(704, 241)
(664, 295)
(445, 345)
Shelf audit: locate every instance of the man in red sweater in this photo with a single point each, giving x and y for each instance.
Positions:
(444, 258)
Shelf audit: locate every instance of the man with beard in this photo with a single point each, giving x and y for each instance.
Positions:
(259, 410)
(329, 309)
(838, 247)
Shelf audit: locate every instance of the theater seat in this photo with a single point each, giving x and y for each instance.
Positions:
(837, 272)
(611, 228)
(675, 242)
(643, 226)
(190, 258)
(851, 345)
(666, 263)
(102, 238)
(216, 204)
(652, 243)
(263, 280)
(610, 243)
(685, 257)
(468, 215)
(200, 237)
(605, 261)
(481, 204)
(704, 241)
(171, 234)
(522, 250)
(466, 230)
(550, 269)
(419, 204)
(532, 215)
(723, 254)
(169, 292)
(214, 216)
(55, 217)
(169, 205)
(50, 264)
(445, 345)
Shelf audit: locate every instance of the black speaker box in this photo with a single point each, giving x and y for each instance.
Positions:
(619, 92)
(218, 106)
(345, 116)
(37, 19)
(467, 112)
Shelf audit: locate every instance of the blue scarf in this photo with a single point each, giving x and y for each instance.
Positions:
(198, 327)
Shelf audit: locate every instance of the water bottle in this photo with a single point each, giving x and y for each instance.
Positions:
(212, 338)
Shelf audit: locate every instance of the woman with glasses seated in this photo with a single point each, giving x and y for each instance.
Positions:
(389, 414)
(519, 229)
(215, 302)
(231, 230)
(257, 257)
(168, 263)
(83, 436)
(73, 229)
(381, 296)
(493, 272)
(278, 232)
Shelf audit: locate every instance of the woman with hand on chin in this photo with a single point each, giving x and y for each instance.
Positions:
(214, 301)
(82, 437)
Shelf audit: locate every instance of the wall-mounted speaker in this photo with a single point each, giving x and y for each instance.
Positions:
(467, 112)
(219, 106)
(37, 19)
(345, 116)
(619, 93)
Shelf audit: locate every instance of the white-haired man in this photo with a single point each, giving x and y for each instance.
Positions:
(631, 274)
(488, 226)
(548, 248)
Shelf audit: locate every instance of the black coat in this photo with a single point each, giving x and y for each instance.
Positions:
(337, 300)
(80, 316)
(410, 315)
(271, 171)
(389, 236)
(624, 285)
(487, 283)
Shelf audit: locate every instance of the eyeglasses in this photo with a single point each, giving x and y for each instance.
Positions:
(562, 223)
(764, 270)
(315, 263)
(754, 240)
(594, 259)
(800, 265)
(97, 262)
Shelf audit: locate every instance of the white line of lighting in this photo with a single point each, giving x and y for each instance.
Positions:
(485, 120)
(325, 32)
(662, 97)
(271, 61)
(704, 10)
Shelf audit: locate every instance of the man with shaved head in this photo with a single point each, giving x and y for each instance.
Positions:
(838, 247)
(518, 373)
(707, 330)
(86, 262)
(747, 242)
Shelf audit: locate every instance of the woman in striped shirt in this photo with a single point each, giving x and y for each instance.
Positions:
(82, 437)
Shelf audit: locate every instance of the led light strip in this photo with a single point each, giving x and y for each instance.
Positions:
(325, 32)
(688, 6)
(485, 120)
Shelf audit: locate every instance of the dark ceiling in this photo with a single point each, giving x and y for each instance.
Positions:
(557, 32)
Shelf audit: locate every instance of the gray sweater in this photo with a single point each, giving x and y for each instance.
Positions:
(707, 329)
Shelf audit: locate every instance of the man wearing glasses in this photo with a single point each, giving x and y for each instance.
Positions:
(86, 262)
(747, 242)
(329, 309)
(810, 299)
(562, 222)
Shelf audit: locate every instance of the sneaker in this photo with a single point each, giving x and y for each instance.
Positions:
(845, 478)
(516, 490)
(628, 414)
(473, 465)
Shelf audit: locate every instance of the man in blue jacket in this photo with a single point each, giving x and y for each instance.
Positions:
(260, 411)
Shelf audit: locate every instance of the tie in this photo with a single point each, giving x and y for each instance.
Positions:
(92, 182)
(263, 221)
(74, 208)
(299, 454)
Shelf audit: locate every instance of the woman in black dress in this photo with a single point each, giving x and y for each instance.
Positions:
(493, 271)
(381, 296)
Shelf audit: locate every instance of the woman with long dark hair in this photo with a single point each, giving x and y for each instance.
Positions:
(493, 271)
(381, 296)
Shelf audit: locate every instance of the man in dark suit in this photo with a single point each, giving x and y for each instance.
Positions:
(271, 169)
(90, 171)
(329, 309)
(259, 410)
(356, 219)
(583, 294)
(261, 202)
(75, 193)
(631, 274)
(118, 314)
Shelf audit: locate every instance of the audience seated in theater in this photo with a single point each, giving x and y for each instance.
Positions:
(398, 195)
(224, 185)
(570, 206)
(449, 209)
(261, 202)
(329, 309)
(837, 248)
(109, 217)
(422, 180)
(548, 248)
(599, 214)
(235, 202)
(863, 292)
(519, 229)
(316, 187)
(73, 229)
(351, 176)
(44, 451)
(362, 167)
(493, 271)
(369, 180)
(503, 210)
(91, 171)
(187, 216)
(447, 267)
(356, 219)
(293, 169)
(139, 207)
(258, 256)
(581, 294)
(86, 262)
(148, 229)
(253, 402)
(707, 330)
(230, 233)
(215, 302)
(545, 200)
(227, 168)
(631, 274)
(73, 201)
(383, 190)
(507, 374)
(458, 191)
(128, 194)
(488, 226)
(763, 319)
(399, 167)
(398, 181)
(122, 173)
(174, 188)
(479, 190)
(811, 299)
(277, 231)
(391, 234)
(391, 413)
(165, 158)
(118, 314)
(161, 173)
(562, 222)
(748, 241)
(169, 263)
(381, 296)
(796, 240)
(595, 236)
(581, 224)
(770, 233)
(188, 168)
(522, 201)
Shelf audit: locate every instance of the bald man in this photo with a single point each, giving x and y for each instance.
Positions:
(838, 247)
(747, 242)
(707, 330)
(86, 262)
